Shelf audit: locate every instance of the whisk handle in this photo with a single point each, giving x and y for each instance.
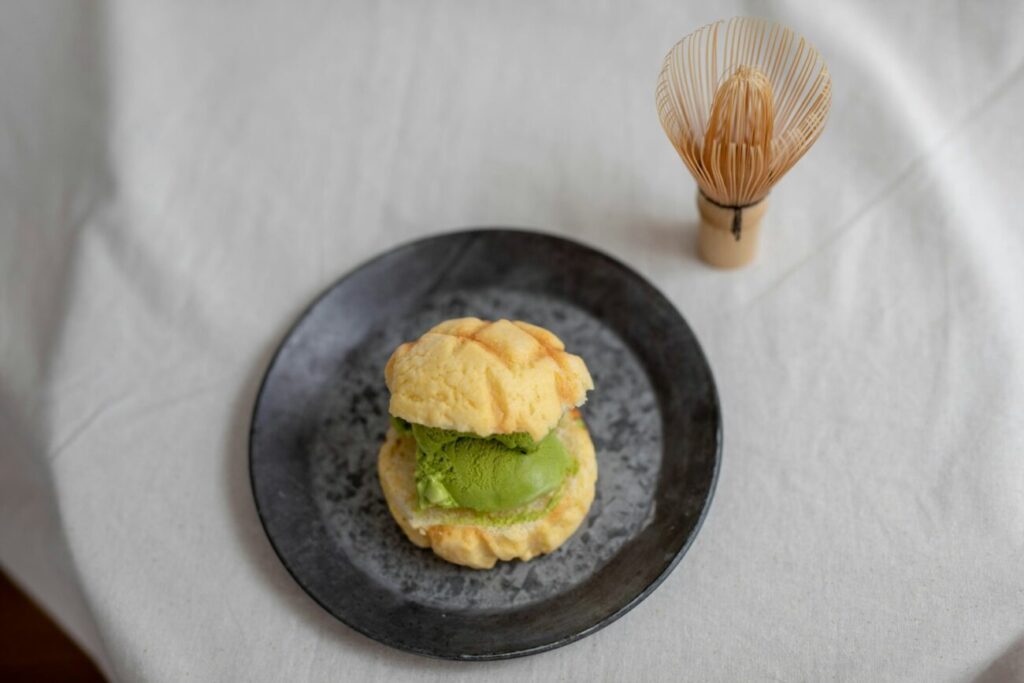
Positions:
(729, 233)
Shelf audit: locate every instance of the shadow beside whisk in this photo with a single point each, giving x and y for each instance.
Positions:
(673, 238)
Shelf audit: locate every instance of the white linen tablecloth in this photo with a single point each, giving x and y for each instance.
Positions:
(178, 180)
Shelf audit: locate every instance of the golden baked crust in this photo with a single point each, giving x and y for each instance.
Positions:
(486, 378)
(479, 546)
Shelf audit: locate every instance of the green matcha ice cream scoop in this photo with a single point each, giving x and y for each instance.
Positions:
(486, 474)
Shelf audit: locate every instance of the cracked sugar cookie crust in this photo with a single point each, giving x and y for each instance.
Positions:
(486, 378)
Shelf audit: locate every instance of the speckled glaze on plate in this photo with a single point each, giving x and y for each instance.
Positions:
(321, 415)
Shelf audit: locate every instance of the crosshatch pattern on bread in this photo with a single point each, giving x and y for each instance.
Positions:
(486, 378)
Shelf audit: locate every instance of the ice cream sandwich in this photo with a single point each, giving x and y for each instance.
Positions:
(486, 457)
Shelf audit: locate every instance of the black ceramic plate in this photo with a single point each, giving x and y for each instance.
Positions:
(322, 413)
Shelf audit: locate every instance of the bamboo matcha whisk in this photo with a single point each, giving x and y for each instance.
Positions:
(741, 100)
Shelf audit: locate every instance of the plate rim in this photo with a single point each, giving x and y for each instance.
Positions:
(554, 644)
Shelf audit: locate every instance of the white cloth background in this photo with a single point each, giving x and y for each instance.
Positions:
(177, 181)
